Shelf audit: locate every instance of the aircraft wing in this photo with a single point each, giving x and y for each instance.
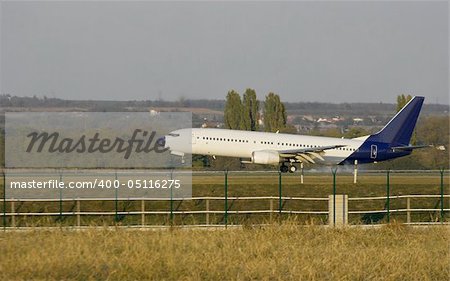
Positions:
(307, 154)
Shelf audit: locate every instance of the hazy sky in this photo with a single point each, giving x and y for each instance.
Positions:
(304, 51)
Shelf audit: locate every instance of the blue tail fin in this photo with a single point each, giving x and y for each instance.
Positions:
(399, 130)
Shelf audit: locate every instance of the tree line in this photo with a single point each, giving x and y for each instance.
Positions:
(246, 113)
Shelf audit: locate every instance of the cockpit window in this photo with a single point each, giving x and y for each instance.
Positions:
(174, 135)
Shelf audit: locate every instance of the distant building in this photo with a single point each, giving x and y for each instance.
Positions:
(308, 118)
(337, 119)
(211, 124)
(153, 112)
(330, 120)
(323, 120)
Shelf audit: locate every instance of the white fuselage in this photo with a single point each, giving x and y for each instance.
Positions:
(392, 141)
(236, 143)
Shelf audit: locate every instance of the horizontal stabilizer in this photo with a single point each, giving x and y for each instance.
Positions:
(409, 147)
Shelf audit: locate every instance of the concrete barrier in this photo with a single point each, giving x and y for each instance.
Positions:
(338, 211)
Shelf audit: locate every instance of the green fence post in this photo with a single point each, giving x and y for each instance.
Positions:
(280, 201)
(4, 201)
(60, 200)
(334, 195)
(171, 201)
(226, 199)
(442, 194)
(387, 196)
(116, 204)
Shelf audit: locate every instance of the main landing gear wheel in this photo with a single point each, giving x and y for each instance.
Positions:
(292, 169)
(284, 168)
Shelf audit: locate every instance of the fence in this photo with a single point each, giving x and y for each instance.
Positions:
(271, 211)
(216, 210)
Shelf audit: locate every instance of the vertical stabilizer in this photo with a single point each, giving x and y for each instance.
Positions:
(399, 130)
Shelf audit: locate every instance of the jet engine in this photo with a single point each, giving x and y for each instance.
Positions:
(265, 157)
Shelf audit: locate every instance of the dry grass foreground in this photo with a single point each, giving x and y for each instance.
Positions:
(276, 252)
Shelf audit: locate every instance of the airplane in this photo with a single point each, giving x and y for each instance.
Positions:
(285, 150)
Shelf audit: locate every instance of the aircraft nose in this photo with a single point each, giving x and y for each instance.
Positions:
(161, 141)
